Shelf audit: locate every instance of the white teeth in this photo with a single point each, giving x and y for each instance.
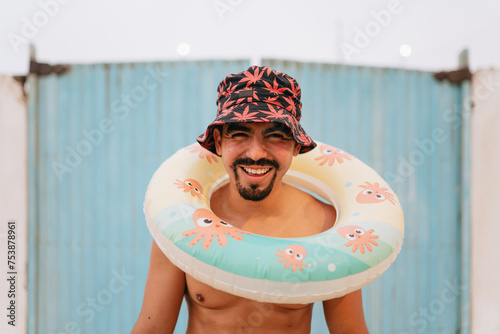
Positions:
(256, 171)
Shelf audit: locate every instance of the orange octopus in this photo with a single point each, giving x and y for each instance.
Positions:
(190, 185)
(373, 193)
(203, 153)
(330, 154)
(208, 226)
(358, 238)
(293, 255)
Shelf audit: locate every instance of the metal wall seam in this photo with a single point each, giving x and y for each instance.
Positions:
(465, 286)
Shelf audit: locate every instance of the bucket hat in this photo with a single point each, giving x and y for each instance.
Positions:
(259, 95)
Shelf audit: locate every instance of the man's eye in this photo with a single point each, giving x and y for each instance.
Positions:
(239, 135)
(277, 136)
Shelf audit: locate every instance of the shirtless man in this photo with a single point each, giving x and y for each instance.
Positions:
(257, 134)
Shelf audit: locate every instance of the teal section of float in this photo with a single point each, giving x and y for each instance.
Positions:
(256, 256)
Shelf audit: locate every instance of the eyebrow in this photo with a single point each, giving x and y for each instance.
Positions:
(233, 127)
(277, 127)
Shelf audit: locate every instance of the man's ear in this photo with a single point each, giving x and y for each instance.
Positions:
(217, 140)
(296, 150)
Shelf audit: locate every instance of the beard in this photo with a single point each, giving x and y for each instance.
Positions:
(252, 193)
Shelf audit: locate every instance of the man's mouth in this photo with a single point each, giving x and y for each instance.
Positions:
(255, 168)
(255, 171)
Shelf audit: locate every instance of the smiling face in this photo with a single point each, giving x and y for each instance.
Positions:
(256, 156)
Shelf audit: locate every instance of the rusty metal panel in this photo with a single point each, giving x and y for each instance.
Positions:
(408, 126)
(13, 205)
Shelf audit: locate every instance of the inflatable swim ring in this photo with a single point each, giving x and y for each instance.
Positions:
(362, 244)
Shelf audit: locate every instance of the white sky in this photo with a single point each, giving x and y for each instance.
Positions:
(76, 31)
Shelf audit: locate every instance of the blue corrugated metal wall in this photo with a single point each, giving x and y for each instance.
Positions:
(408, 127)
(98, 132)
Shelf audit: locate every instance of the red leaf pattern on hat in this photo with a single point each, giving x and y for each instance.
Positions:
(276, 114)
(295, 88)
(275, 89)
(226, 112)
(291, 106)
(304, 138)
(266, 70)
(251, 77)
(226, 107)
(245, 116)
(229, 90)
(220, 89)
(274, 101)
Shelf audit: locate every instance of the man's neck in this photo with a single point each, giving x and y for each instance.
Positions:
(288, 212)
(228, 202)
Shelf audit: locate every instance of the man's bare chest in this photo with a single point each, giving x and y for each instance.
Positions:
(208, 297)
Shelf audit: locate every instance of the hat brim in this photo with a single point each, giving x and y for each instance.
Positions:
(257, 112)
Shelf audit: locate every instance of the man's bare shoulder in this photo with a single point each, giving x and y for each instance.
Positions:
(163, 295)
(319, 214)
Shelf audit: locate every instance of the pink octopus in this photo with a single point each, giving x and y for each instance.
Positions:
(358, 238)
(293, 255)
(190, 185)
(208, 226)
(203, 153)
(330, 154)
(373, 193)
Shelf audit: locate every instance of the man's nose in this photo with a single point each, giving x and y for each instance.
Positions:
(256, 150)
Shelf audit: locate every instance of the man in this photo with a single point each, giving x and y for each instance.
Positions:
(257, 133)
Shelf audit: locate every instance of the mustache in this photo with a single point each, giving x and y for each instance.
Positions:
(260, 162)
